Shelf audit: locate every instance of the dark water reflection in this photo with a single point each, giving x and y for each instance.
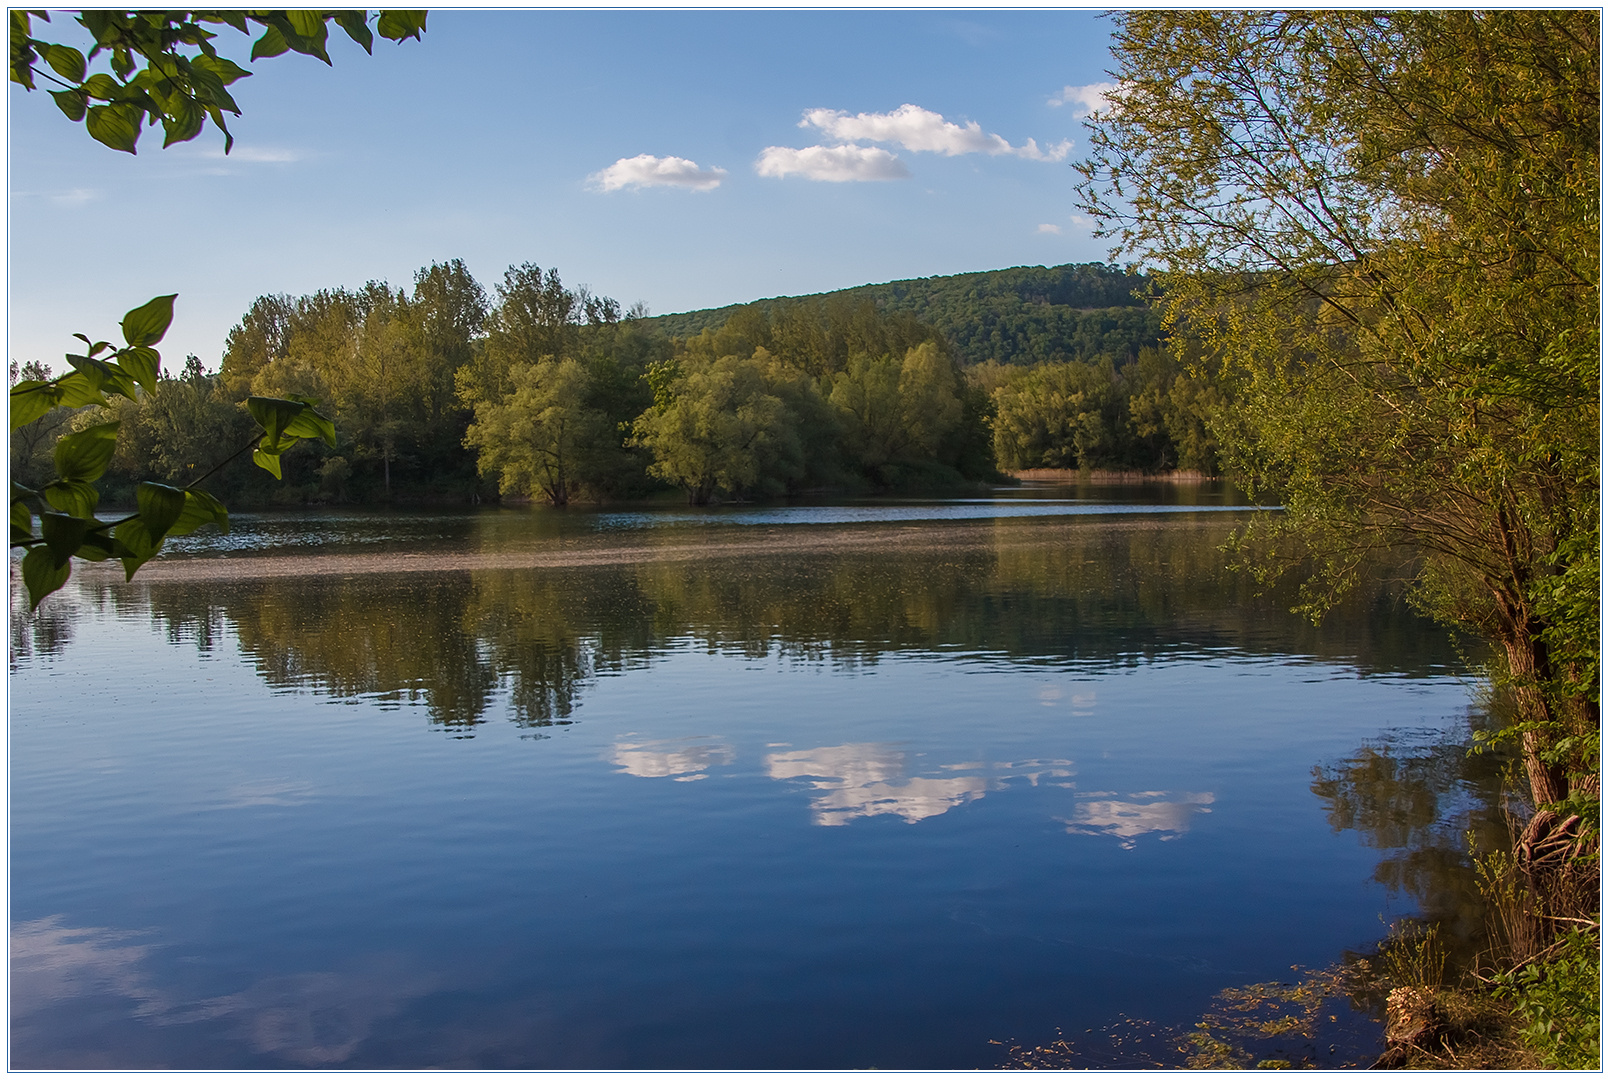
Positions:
(869, 804)
(1424, 801)
(1096, 594)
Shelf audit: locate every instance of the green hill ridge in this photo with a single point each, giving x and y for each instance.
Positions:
(1020, 315)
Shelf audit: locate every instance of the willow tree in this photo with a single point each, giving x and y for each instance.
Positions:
(736, 426)
(1384, 227)
(545, 438)
(897, 410)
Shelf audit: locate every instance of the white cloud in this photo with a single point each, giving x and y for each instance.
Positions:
(833, 163)
(646, 170)
(75, 197)
(1050, 230)
(1055, 152)
(256, 154)
(916, 128)
(1087, 100)
(272, 154)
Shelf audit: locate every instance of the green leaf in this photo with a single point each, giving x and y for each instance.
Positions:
(71, 103)
(22, 52)
(218, 119)
(182, 122)
(77, 390)
(117, 126)
(272, 43)
(102, 375)
(42, 576)
(138, 544)
(236, 19)
(199, 509)
(68, 62)
(307, 24)
(303, 31)
(397, 25)
(22, 520)
(102, 24)
(122, 62)
(146, 324)
(142, 363)
(356, 24)
(160, 506)
(62, 534)
(269, 462)
(225, 71)
(73, 497)
(102, 86)
(83, 455)
(274, 415)
(309, 424)
(30, 400)
(98, 547)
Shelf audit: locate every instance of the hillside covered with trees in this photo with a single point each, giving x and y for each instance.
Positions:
(1024, 315)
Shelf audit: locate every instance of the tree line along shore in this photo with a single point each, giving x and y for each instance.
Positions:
(447, 392)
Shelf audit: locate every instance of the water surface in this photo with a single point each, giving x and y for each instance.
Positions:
(834, 786)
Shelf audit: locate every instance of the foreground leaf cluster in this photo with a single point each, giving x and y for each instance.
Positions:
(57, 522)
(163, 67)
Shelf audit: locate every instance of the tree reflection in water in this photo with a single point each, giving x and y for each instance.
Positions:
(1422, 799)
(525, 644)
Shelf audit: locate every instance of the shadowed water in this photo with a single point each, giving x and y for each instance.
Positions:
(799, 787)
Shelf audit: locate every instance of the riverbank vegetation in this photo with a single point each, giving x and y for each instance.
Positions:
(1384, 231)
(537, 390)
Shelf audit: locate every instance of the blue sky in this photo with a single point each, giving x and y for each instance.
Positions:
(852, 147)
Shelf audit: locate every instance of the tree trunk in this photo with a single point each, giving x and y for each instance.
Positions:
(1528, 667)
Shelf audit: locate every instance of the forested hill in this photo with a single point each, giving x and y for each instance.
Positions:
(1024, 315)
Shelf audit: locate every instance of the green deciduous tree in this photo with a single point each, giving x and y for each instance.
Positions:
(1058, 416)
(897, 410)
(545, 438)
(1384, 227)
(726, 426)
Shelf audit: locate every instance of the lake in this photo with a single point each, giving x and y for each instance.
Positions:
(855, 784)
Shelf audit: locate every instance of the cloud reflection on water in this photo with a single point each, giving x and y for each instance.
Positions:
(310, 1018)
(51, 962)
(1130, 820)
(868, 779)
(680, 759)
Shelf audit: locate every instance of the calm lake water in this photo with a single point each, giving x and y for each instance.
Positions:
(835, 786)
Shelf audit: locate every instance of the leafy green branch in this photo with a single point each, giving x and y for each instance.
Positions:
(65, 508)
(183, 80)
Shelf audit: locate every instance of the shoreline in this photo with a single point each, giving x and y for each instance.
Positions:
(839, 539)
(1116, 476)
